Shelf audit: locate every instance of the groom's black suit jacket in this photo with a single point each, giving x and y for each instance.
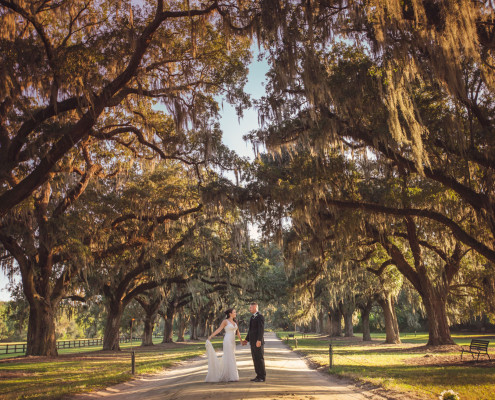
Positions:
(256, 329)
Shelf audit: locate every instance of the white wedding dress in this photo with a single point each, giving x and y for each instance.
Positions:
(223, 369)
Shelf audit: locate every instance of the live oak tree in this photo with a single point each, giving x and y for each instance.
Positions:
(176, 299)
(411, 43)
(223, 249)
(77, 69)
(384, 292)
(150, 301)
(140, 229)
(64, 228)
(316, 190)
(81, 82)
(44, 240)
(52, 244)
(342, 278)
(178, 304)
(171, 241)
(425, 254)
(413, 96)
(403, 125)
(360, 126)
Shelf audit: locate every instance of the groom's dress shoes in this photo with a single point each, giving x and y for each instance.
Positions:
(254, 379)
(259, 380)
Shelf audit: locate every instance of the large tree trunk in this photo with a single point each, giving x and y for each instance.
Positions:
(42, 289)
(386, 302)
(168, 329)
(335, 317)
(149, 323)
(347, 309)
(41, 340)
(201, 326)
(182, 327)
(434, 297)
(150, 304)
(43, 303)
(365, 319)
(438, 325)
(194, 328)
(112, 327)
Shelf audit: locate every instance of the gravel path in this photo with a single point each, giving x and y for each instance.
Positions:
(288, 377)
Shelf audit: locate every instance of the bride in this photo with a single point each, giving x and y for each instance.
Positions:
(224, 369)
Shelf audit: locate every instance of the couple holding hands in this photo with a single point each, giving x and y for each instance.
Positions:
(225, 369)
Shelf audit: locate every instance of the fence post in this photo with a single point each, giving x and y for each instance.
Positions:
(295, 339)
(330, 354)
(133, 362)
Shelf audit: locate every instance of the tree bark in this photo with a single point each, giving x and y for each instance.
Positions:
(168, 329)
(438, 325)
(365, 319)
(335, 317)
(201, 325)
(194, 328)
(149, 323)
(150, 303)
(433, 296)
(182, 327)
(347, 309)
(41, 339)
(386, 302)
(112, 326)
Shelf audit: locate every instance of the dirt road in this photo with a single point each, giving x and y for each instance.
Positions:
(288, 377)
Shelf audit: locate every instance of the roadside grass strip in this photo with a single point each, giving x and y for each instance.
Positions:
(410, 368)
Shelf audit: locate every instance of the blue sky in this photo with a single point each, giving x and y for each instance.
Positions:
(233, 128)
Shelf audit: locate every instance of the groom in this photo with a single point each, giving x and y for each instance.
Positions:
(256, 341)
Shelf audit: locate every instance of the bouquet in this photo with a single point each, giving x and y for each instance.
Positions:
(449, 395)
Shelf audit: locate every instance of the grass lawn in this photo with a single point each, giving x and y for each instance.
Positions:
(409, 368)
(82, 370)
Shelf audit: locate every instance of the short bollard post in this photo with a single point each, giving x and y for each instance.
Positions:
(133, 363)
(295, 339)
(330, 355)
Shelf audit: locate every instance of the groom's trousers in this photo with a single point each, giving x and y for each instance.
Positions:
(258, 360)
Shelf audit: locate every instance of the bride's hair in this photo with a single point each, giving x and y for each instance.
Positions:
(228, 312)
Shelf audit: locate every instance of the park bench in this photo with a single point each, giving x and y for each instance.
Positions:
(477, 346)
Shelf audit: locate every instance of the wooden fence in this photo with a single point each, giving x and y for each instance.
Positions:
(11, 348)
